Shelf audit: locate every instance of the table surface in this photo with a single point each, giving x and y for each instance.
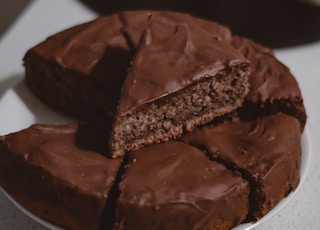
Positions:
(23, 27)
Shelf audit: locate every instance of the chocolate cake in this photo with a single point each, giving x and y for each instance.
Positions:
(181, 75)
(267, 152)
(57, 174)
(144, 78)
(273, 87)
(175, 186)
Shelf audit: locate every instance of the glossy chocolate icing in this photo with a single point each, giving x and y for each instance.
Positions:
(99, 53)
(268, 151)
(80, 47)
(135, 23)
(171, 56)
(271, 80)
(56, 168)
(96, 51)
(175, 186)
(273, 87)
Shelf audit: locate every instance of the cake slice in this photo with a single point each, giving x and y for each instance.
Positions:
(180, 77)
(175, 186)
(267, 152)
(183, 73)
(273, 87)
(58, 174)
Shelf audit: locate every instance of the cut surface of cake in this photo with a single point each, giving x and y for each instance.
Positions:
(267, 152)
(183, 73)
(175, 186)
(53, 172)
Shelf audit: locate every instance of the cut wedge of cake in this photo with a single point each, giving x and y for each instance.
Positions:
(180, 77)
(58, 173)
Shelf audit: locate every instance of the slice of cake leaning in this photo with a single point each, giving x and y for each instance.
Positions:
(181, 75)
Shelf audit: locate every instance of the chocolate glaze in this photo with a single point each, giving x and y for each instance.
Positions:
(45, 169)
(271, 80)
(175, 186)
(267, 150)
(135, 22)
(273, 87)
(90, 58)
(81, 46)
(98, 53)
(171, 56)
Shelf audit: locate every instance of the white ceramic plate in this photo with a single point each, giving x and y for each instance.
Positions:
(305, 165)
(19, 109)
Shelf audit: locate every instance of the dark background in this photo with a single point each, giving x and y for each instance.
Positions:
(274, 23)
